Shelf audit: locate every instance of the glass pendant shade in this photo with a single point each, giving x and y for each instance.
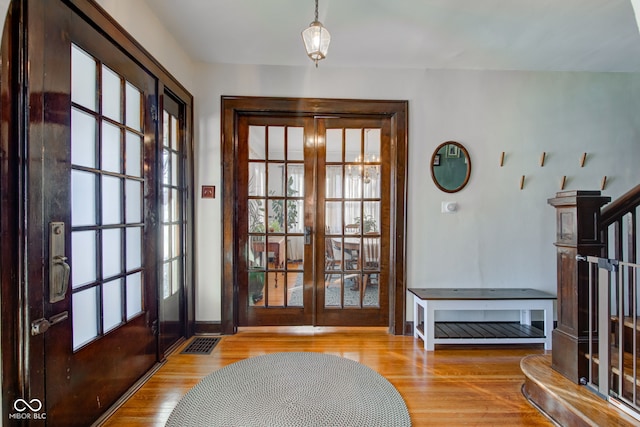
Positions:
(316, 41)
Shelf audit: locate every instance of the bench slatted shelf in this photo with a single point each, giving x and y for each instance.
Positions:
(429, 300)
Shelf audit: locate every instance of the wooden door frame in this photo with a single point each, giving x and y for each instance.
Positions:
(396, 111)
(22, 107)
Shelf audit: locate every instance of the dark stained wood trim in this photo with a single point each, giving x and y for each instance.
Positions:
(206, 328)
(233, 106)
(12, 114)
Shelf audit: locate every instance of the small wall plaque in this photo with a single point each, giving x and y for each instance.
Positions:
(208, 192)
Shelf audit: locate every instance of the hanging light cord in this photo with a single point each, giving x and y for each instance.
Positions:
(316, 11)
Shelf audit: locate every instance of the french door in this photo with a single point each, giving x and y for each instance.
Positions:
(110, 236)
(314, 247)
(84, 310)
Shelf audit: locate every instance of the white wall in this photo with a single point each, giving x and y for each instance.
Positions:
(139, 21)
(501, 236)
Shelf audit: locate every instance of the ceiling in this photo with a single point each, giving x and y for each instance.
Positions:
(555, 35)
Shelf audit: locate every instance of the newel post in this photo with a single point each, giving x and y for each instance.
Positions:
(577, 224)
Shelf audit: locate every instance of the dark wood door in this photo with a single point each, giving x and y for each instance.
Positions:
(352, 213)
(275, 209)
(88, 176)
(316, 200)
(174, 274)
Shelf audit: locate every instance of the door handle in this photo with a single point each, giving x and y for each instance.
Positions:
(59, 270)
(307, 235)
(41, 326)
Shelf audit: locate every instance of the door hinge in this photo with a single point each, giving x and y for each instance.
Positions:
(154, 112)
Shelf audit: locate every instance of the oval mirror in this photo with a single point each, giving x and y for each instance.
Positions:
(450, 166)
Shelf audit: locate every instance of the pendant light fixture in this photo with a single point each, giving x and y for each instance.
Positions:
(316, 39)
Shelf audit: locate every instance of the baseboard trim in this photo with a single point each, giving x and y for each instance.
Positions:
(408, 328)
(205, 328)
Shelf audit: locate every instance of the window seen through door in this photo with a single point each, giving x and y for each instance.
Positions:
(173, 222)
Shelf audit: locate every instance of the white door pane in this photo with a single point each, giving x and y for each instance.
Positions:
(175, 240)
(333, 144)
(275, 181)
(166, 200)
(111, 304)
(166, 167)
(333, 217)
(333, 182)
(83, 258)
(174, 133)
(132, 99)
(134, 248)
(175, 279)
(111, 252)
(85, 317)
(83, 78)
(111, 200)
(83, 198)
(111, 153)
(166, 240)
(83, 139)
(276, 143)
(174, 169)
(134, 294)
(111, 95)
(257, 179)
(173, 212)
(353, 146)
(166, 280)
(257, 138)
(133, 201)
(134, 151)
(295, 143)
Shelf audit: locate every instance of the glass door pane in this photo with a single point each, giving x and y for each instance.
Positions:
(275, 208)
(352, 215)
(106, 236)
(174, 226)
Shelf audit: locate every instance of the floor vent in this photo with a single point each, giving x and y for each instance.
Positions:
(201, 345)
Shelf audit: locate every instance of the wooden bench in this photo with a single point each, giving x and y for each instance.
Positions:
(427, 301)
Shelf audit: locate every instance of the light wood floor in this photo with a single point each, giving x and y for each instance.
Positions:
(453, 386)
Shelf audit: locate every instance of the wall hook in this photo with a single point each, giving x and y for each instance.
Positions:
(544, 154)
(582, 159)
(522, 182)
(603, 183)
(502, 159)
(563, 182)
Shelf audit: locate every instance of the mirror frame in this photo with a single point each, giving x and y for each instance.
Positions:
(466, 178)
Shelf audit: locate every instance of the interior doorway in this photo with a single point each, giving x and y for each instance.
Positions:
(314, 202)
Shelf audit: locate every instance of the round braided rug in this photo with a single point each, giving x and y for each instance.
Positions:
(292, 389)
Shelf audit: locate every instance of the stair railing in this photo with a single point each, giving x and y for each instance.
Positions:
(614, 300)
(612, 348)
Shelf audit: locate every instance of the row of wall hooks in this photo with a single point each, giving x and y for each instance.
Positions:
(563, 182)
(543, 156)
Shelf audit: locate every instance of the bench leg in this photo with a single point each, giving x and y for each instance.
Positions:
(548, 325)
(429, 327)
(416, 317)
